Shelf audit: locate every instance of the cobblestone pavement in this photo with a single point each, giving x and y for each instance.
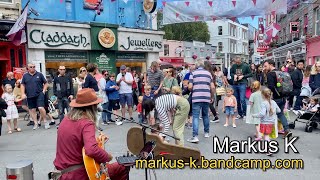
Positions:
(39, 146)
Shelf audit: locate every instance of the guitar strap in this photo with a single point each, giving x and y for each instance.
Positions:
(56, 174)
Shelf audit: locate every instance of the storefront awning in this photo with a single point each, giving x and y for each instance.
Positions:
(171, 62)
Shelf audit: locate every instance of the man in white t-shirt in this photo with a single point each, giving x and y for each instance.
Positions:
(125, 80)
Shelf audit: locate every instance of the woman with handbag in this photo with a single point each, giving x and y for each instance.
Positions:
(169, 81)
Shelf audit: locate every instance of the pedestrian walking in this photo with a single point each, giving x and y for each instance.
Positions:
(9, 80)
(33, 88)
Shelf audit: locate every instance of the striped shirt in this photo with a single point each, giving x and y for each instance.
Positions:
(201, 89)
(164, 104)
(154, 78)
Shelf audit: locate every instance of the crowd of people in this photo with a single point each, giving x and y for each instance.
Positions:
(178, 97)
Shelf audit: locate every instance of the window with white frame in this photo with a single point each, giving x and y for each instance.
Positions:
(6, 1)
(166, 50)
(317, 21)
(188, 52)
(219, 30)
(220, 46)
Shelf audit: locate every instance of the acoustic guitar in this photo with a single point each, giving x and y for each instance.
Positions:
(162, 149)
(95, 170)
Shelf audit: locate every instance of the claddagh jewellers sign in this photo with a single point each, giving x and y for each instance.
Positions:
(140, 42)
(59, 38)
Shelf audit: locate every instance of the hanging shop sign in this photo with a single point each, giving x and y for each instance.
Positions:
(58, 37)
(66, 55)
(104, 37)
(105, 60)
(130, 41)
(107, 38)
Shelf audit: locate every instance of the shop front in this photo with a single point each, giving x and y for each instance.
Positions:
(51, 44)
(313, 53)
(138, 48)
(296, 50)
(104, 46)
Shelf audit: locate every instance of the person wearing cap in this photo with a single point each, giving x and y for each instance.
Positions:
(77, 131)
(125, 80)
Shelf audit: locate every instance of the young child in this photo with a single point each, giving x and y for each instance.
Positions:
(267, 115)
(139, 109)
(176, 90)
(148, 95)
(311, 107)
(12, 111)
(255, 102)
(230, 107)
(114, 98)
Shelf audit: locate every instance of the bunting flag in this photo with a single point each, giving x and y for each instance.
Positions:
(273, 13)
(224, 9)
(233, 19)
(164, 3)
(17, 33)
(113, 0)
(196, 18)
(234, 2)
(214, 19)
(61, 1)
(273, 1)
(254, 2)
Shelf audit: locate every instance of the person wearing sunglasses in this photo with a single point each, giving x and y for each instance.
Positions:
(314, 81)
(9, 80)
(63, 90)
(33, 88)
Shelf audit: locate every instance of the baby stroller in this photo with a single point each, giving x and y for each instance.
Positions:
(311, 119)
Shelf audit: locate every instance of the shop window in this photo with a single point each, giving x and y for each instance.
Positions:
(220, 30)
(317, 21)
(188, 53)
(6, 1)
(220, 46)
(166, 50)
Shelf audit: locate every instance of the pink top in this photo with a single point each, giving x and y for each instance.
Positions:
(230, 101)
(305, 80)
(72, 137)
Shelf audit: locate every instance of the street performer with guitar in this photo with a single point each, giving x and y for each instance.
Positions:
(77, 145)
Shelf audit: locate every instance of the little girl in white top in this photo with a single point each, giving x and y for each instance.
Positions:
(11, 111)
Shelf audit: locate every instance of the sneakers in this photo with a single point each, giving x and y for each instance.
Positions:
(100, 129)
(46, 125)
(118, 123)
(225, 125)
(215, 120)
(287, 134)
(234, 125)
(239, 117)
(244, 118)
(131, 119)
(296, 112)
(35, 127)
(30, 123)
(206, 135)
(52, 123)
(105, 123)
(193, 140)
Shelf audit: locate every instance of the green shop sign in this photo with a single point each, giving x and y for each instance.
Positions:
(105, 60)
(101, 33)
(66, 55)
(58, 39)
(130, 56)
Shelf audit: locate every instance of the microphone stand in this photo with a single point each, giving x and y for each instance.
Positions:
(144, 128)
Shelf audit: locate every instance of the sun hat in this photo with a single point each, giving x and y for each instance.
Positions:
(123, 67)
(85, 97)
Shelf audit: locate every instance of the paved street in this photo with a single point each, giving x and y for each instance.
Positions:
(40, 145)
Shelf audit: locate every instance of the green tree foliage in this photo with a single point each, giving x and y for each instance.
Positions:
(193, 31)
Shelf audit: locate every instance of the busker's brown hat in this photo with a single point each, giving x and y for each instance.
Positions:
(85, 97)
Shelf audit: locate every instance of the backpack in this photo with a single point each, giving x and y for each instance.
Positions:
(284, 86)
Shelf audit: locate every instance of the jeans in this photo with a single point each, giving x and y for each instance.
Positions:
(62, 105)
(240, 94)
(105, 115)
(212, 109)
(204, 106)
(281, 116)
(298, 103)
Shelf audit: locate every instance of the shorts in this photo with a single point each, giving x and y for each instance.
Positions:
(126, 99)
(36, 102)
(229, 110)
(114, 104)
(266, 128)
(24, 102)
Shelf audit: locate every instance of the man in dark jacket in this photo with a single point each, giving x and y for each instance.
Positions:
(269, 67)
(63, 89)
(239, 73)
(314, 81)
(297, 77)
